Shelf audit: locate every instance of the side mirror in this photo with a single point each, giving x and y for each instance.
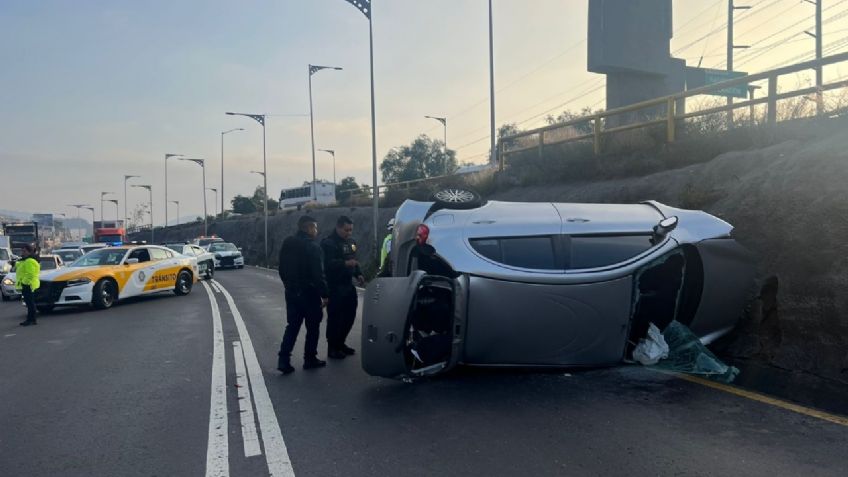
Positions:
(239, 249)
(663, 228)
(131, 261)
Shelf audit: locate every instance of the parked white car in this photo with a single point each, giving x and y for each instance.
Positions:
(48, 263)
(205, 260)
(227, 255)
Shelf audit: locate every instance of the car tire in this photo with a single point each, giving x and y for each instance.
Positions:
(210, 271)
(105, 294)
(5, 298)
(44, 308)
(457, 198)
(240, 267)
(184, 283)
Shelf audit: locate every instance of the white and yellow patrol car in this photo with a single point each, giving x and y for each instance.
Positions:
(104, 276)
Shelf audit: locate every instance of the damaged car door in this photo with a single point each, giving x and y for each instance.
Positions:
(414, 325)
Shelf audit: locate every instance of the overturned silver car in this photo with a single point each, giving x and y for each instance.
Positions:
(545, 284)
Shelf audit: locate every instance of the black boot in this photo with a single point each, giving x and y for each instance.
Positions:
(312, 363)
(284, 366)
(28, 322)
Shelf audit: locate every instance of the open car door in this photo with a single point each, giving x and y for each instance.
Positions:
(414, 325)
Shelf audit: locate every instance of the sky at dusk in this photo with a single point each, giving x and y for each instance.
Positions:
(93, 90)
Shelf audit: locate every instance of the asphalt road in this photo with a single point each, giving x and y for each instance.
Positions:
(152, 388)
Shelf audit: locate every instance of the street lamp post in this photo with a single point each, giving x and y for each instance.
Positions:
(102, 194)
(444, 122)
(260, 118)
(150, 190)
(202, 164)
(92, 220)
(126, 216)
(215, 202)
(312, 70)
(222, 167)
(332, 153)
(114, 201)
(78, 207)
(167, 156)
(364, 6)
(178, 210)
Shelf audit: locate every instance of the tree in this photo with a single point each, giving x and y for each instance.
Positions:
(346, 188)
(137, 215)
(243, 205)
(506, 130)
(423, 158)
(584, 127)
(258, 200)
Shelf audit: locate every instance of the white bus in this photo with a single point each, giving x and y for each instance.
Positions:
(298, 196)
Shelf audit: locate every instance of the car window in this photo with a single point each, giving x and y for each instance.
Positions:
(223, 247)
(141, 254)
(198, 251)
(525, 252)
(4, 255)
(160, 254)
(47, 263)
(601, 251)
(176, 247)
(106, 256)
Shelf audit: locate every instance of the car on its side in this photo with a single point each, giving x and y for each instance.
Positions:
(48, 264)
(103, 277)
(227, 255)
(545, 284)
(205, 260)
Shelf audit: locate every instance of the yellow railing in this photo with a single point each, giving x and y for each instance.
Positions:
(670, 117)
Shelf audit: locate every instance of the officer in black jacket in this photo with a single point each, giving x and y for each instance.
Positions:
(306, 294)
(341, 268)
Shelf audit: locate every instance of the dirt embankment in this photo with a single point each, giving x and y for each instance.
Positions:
(789, 206)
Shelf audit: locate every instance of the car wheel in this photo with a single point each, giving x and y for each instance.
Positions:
(240, 267)
(456, 198)
(5, 298)
(184, 283)
(210, 271)
(44, 308)
(104, 295)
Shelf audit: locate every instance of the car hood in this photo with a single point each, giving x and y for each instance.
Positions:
(71, 273)
(226, 254)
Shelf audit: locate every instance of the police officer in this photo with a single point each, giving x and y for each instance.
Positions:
(26, 280)
(386, 249)
(306, 294)
(341, 268)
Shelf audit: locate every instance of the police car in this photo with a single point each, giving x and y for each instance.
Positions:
(105, 276)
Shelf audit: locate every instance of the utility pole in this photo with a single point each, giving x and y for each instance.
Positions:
(731, 8)
(818, 36)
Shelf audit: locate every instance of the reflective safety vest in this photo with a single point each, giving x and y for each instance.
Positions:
(387, 247)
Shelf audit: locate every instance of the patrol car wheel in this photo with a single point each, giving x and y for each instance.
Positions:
(104, 295)
(184, 282)
(456, 198)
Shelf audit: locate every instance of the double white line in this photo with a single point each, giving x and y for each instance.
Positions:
(251, 384)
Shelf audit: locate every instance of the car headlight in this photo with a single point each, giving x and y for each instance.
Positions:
(78, 281)
(8, 282)
(5, 268)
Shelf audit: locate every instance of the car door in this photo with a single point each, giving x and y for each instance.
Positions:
(135, 277)
(389, 335)
(165, 269)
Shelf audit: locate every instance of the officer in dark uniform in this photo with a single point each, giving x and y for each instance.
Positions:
(302, 273)
(341, 268)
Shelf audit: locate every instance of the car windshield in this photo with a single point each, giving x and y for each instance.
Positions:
(175, 247)
(223, 247)
(106, 256)
(69, 256)
(47, 263)
(4, 255)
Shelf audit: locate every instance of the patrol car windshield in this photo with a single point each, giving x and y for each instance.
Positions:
(223, 247)
(4, 255)
(178, 247)
(106, 256)
(47, 263)
(68, 256)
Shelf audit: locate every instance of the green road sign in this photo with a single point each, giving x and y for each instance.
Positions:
(698, 77)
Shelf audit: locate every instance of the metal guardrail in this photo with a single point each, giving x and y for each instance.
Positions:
(670, 118)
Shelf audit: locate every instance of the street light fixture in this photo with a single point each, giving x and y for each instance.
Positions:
(150, 190)
(312, 70)
(222, 166)
(178, 209)
(214, 209)
(167, 156)
(202, 164)
(332, 153)
(260, 118)
(102, 194)
(126, 215)
(364, 6)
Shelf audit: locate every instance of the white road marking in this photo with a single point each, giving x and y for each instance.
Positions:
(276, 454)
(215, 287)
(248, 422)
(217, 450)
(9, 335)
